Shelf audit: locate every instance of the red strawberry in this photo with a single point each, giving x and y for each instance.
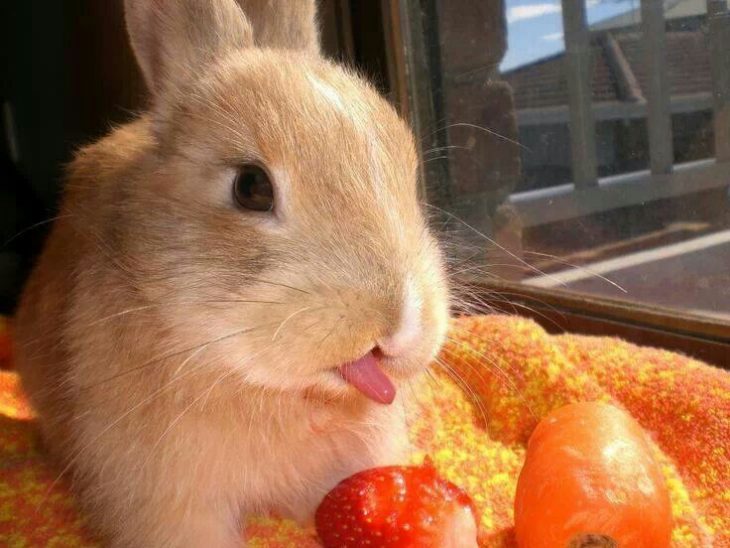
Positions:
(397, 507)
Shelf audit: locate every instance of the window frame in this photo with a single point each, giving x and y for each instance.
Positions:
(558, 310)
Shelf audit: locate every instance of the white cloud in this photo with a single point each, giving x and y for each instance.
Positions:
(553, 36)
(530, 11)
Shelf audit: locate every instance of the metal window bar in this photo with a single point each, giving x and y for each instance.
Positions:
(661, 154)
(718, 36)
(579, 75)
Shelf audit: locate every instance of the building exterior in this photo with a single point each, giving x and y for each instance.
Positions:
(619, 81)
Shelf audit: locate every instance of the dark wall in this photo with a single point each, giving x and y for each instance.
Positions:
(68, 73)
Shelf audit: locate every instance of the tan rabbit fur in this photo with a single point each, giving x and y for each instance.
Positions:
(182, 352)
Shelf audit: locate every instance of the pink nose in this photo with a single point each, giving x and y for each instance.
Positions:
(409, 328)
(401, 341)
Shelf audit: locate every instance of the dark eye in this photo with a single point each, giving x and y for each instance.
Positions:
(252, 188)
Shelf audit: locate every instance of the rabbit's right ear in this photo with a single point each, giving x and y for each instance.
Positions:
(174, 39)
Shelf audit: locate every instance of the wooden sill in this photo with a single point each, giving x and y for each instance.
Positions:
(558, 311)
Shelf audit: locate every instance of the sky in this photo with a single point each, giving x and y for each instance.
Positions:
(535, 27)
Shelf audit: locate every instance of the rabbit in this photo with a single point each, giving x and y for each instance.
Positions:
(241, 293)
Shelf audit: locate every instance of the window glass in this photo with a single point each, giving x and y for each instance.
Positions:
(583, 145)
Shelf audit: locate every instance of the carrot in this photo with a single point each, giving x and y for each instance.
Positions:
(590, 479)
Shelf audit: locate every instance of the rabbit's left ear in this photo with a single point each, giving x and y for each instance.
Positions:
(174, 40)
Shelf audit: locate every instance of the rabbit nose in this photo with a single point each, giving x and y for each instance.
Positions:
(409, 327)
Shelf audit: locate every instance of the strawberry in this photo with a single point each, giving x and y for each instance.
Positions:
(397, 507)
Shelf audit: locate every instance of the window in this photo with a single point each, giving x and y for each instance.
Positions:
(576, 152)
(579, 154)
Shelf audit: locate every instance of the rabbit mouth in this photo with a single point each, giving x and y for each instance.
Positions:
(366, 375)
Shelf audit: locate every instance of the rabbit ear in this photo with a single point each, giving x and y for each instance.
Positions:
(175, 39)
(288, 24)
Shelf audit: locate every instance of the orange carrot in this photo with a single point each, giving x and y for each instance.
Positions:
(590, 479)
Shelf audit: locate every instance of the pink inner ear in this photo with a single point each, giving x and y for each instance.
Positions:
(365, 375)
(143, 19)
(153, 69)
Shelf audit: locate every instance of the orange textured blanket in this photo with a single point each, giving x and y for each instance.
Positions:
(511, 374)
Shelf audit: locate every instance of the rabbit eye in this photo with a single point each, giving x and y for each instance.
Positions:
(252, 188)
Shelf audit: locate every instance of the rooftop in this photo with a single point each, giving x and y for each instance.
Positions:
(673, 9)
(619, 69)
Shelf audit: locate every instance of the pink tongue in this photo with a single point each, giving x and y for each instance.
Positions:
(365, 375)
